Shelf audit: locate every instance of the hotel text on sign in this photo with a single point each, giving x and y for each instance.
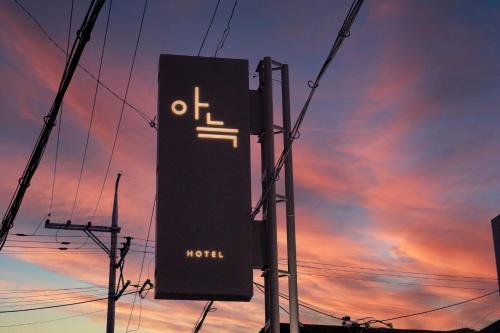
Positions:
(203, 235)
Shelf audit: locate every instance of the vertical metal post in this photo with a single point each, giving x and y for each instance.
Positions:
(267, 303)
(290, 205)
(271, 281)
(110, 325)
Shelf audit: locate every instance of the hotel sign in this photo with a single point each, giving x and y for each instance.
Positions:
(203, 230)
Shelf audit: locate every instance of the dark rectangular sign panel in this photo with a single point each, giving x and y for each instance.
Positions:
(203, 230)
(495, 225)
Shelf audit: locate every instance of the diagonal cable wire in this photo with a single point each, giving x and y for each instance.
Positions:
(60, 118)
(209, 27)
(61, 305)
(59, 125)
(225, 33)
(142, 267)
(93, 110)
(199, 323)
(442, 307)
(151, 121)
(51, 320)
(302, 304)
(294, 134)
(123, 108)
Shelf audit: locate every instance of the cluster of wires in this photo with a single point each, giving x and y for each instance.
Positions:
(390, 276)
(294, 133)
(38, 244)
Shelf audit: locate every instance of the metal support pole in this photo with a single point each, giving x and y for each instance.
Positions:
(290, 205)
(271, 281)
(110, 325)
(267, 303)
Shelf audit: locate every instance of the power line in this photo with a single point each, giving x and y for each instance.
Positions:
(225, 33)
(442, 307)
(393, 275)
(51, 235)
(50, 119)
(61, 248)
(74, 236)
(305, 305)
(45, 294)
(59, 125)
(39, 224)
(209, 27)
(142, 266)
(151, 121)
(35, 241)
(92, 110)
(46, 251)
(67, 245)
(294, 134)
(51, 320)
(123, 107)
(20, 291)
(391, 282)
(33, 302)
(395, 271)
(61, 305)
(281, 307)
(199, 323)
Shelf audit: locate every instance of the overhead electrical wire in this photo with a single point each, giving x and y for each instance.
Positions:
(261, 289)
(395, 271)
(60, 305)
(390, 282)
(97, 252)
(33, 302)
(50, 119)
(91, 118)
(294, 133)
(201, 319)
(151, 121)
(34, 241)
(425, 277)
(225, 33)
(209, 27)
(51, 320)
(77, 236)
(21, 291)
(67, 236)
(59, 125)
(305, 305)
(44, 294)
(122, 109)
(142, 266)
(440, 308)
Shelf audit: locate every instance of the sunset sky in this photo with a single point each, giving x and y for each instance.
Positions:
(397, 169)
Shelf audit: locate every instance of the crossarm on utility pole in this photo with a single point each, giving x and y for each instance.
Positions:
(97, 241)
(86, 228)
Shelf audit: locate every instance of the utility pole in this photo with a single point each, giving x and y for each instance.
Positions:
(290, 205)
(89, 229)
(269, 209)
(110, 325)
(266, 131)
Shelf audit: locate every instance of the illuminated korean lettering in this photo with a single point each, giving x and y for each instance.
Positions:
(214, 129)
